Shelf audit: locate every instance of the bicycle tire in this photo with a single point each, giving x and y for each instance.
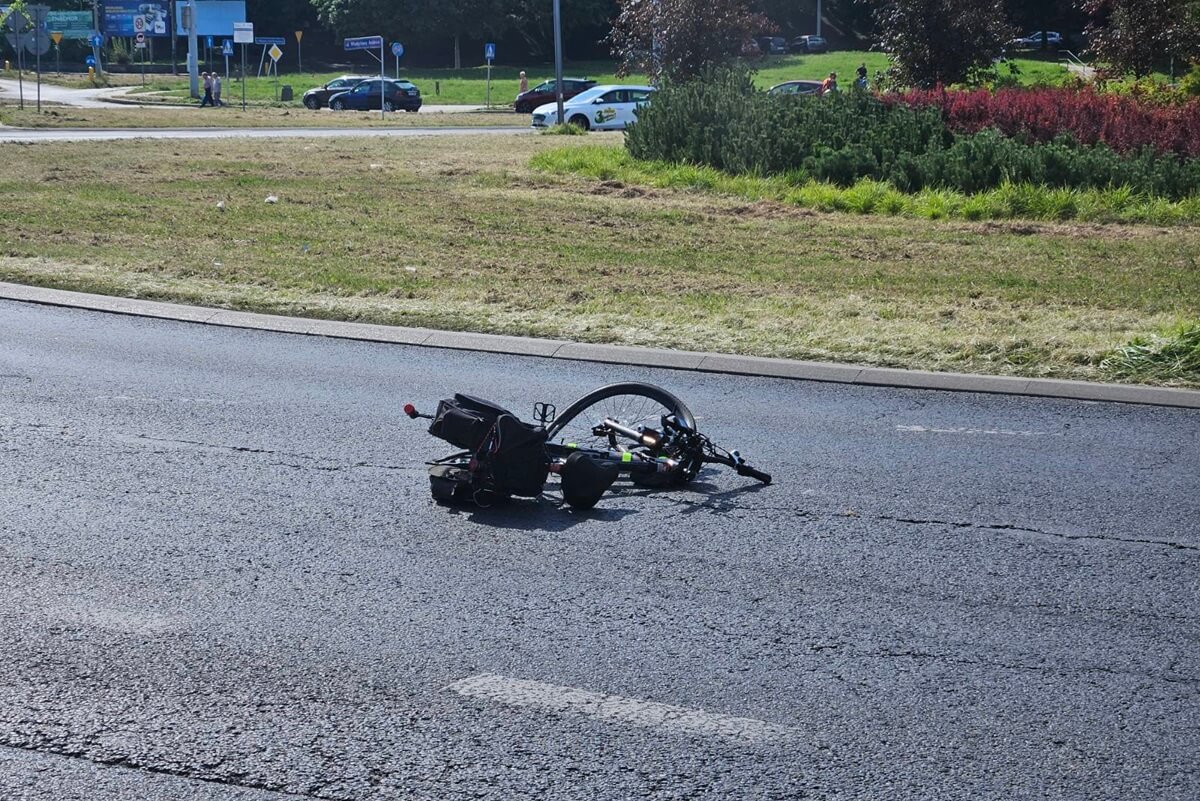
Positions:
(631, 403)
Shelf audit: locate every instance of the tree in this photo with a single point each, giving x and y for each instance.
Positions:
(678, 39)
(940, 42)
(1130, 36)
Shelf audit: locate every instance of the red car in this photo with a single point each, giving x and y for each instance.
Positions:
(544, 93)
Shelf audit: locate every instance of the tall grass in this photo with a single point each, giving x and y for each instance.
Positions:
(1173, 356)
(1009, 201)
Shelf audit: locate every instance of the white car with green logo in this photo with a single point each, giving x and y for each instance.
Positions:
(601, 108)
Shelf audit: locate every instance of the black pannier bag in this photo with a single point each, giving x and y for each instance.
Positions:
(515, 457)
(464, 421)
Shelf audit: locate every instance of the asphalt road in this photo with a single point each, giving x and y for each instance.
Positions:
(223, 578)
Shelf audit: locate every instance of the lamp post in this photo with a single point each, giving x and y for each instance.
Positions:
(558, 69)
(818, 17)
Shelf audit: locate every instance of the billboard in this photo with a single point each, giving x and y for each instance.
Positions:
(215, 17)
(73, 24)
(118, 17)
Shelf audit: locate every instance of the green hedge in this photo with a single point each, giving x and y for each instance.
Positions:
(723, 122)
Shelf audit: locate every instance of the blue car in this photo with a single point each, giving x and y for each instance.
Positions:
(367, 96)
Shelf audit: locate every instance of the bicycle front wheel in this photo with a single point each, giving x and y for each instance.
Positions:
(631, 404)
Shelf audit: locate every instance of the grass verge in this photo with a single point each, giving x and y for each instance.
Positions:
(234, 117)
(867, 197)
(463, 234)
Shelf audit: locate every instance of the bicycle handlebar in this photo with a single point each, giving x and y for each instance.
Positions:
(747, 470)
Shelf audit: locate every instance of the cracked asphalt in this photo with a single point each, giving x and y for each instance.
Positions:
(223, 578)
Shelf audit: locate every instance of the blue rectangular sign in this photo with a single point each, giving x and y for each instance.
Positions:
(269, 40)
(364, 43)
(214, 17)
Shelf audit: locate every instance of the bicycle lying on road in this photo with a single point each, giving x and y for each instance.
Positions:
(633, 429)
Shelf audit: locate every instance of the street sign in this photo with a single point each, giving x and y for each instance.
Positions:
(397, 49)
(299, 36)
(56, 36)
(17, 21)
(489, 51)
(269, 40)
(363, 43)
(139, 24)
(95, 40)
(227, 48)
(139, 38)
(208, 42)
(275, 53)
(140, 45)
(243, 32)
(90, 61)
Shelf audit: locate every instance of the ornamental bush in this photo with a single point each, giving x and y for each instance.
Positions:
(723, 122)
(1126, 123)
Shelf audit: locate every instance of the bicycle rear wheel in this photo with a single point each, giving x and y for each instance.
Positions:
(631, 404)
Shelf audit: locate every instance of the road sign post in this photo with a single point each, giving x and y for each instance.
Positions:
(243, 34)
(489, 54)
(369, 43)
(299, 60)
(227, 51)
(397, 51)
(57, 37)
(275, 54)
(17, 23)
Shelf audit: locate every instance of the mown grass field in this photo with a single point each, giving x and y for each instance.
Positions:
(469, 86)
(233, 117)
(464, 234)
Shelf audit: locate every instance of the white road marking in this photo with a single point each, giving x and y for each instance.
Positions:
(616, 708)
(1004, 432)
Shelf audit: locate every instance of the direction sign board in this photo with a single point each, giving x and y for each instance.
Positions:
(269, 40)
(96, 40)
(275, 53)
(17, 21)
(90, 61)
(489, 51)
(208, 42)
(397, 49)
(243, 32)
(364, 43)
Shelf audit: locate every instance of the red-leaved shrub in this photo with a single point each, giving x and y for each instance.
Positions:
(1123, 122)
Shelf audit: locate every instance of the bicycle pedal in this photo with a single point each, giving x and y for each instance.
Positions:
(544, 413)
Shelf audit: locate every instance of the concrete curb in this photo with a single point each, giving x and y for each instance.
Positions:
(614, 354)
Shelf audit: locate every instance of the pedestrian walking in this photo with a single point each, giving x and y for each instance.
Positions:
(208, 94)
(524, 83)
(216, 86)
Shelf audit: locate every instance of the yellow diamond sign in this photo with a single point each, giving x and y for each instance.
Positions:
(275, 53)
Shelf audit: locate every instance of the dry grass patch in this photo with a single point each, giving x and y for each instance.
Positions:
(462, 234)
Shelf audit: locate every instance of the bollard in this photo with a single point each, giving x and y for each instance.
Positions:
(91, 73)
(7, 65)
(437, 87)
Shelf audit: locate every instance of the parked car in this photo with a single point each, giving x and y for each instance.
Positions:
(319, 97)
(772, 45)
(366, 95)
(603, 108)
(751, 49)
(790, 88)
(1034, 40)
(810, 44)
(545, 92)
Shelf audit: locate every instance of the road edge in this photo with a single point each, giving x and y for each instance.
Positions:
(612, 354)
